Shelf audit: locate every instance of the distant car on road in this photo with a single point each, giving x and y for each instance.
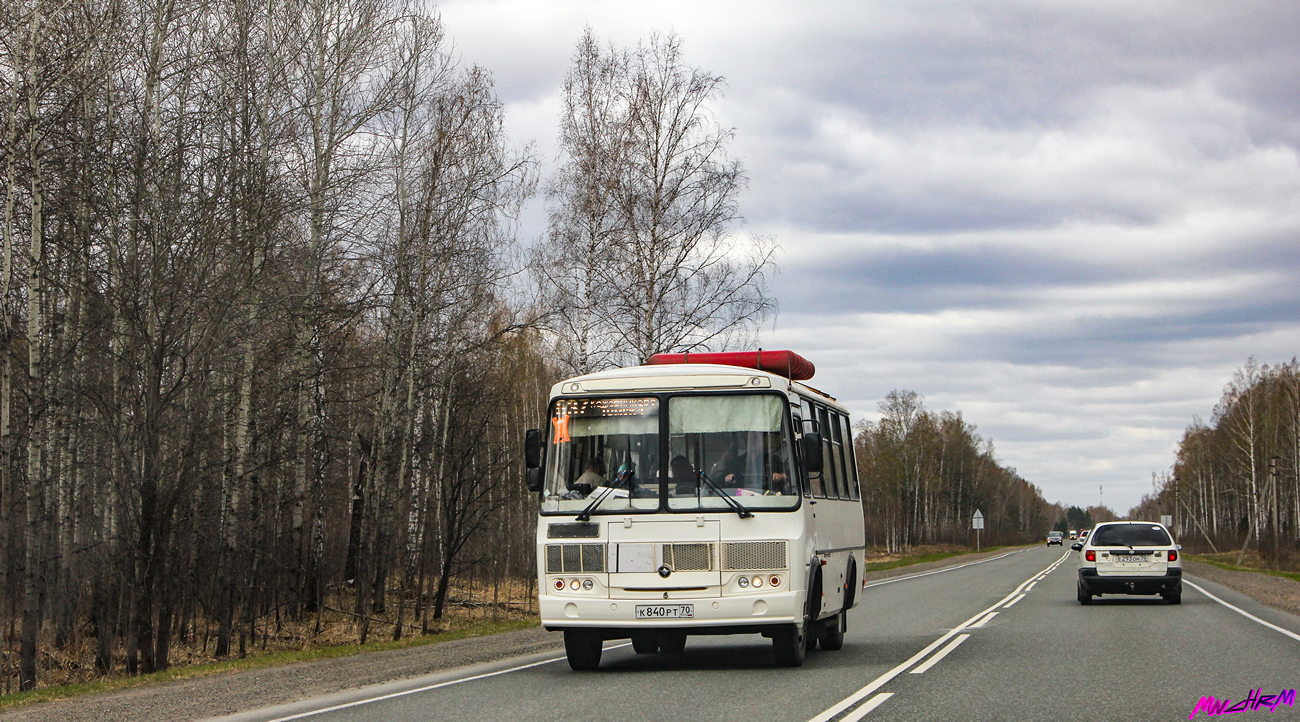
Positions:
(1053, 537)
(1129, 557)
(1083, 534)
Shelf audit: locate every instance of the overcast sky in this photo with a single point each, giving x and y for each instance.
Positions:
(1071, 221)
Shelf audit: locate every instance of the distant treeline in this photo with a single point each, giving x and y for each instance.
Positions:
(1233, 484)
(924, 475)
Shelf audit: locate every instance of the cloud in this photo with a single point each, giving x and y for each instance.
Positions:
(1072, 221)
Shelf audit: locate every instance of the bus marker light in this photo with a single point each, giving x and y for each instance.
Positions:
(559, 585)
(775, 581)
(575, 584)
(758, 582)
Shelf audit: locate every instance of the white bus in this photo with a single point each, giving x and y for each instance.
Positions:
(697, 494)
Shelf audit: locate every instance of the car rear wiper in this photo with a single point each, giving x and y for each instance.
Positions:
(624, 477)
(736, 506)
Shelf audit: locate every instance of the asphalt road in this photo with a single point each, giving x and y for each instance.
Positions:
(999, 639)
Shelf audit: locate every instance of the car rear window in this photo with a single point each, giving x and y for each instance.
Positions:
(1123, 535)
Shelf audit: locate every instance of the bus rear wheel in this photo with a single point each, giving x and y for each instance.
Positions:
(673, 642)
(582, 647)
(789, 646)
(835, 627)
(645, 643)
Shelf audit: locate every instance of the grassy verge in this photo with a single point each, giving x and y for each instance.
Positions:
(911, 559)
(45, 694)
(1293, 576)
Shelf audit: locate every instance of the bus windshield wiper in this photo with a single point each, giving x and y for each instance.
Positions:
(609, 491)
(736, 506)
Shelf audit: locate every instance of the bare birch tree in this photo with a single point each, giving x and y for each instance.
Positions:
(643, 254)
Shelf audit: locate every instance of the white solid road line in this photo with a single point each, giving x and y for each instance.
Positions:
(983, 621)
(1013, 601)
(941, 654)
(871, 704)
(1244, 613)
(938, 571)
(1030, 587)
(875, 684)
(380, 698)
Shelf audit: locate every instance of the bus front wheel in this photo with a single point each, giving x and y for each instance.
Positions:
(582, 647)
(789, 645)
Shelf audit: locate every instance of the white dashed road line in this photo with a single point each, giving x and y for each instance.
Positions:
(834, 710)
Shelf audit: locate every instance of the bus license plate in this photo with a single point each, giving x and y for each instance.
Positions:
(665, 611)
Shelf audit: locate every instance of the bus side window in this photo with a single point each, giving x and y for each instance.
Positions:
(831, 463)
(850, 459)
(816, 480)
(841, 479)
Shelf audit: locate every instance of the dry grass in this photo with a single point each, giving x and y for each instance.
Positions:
(470, 609)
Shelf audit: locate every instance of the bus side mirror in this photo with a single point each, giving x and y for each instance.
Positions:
(533, 459)
(533, 448)
(812, 452)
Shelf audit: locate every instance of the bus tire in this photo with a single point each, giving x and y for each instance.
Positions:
(672, 642)
(788, 645)
(833, 640)
(582, 647)
(814, 629)
(645, 643)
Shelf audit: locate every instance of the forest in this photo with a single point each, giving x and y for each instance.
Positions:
(271, 341)
(1233, 486)
(925, 474)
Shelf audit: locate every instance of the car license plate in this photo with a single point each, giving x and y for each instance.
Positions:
(1129, 558)
(665, 611)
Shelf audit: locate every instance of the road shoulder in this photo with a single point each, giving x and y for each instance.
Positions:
(1271, 591)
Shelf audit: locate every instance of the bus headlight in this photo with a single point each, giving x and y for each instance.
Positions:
(575, 584)
(743, 582)
(757, 582)
(587, 584)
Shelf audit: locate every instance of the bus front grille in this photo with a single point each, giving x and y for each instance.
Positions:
(684, 557)
(571, 558)
(747, 556)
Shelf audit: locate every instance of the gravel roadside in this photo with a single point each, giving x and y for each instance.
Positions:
(236, 691)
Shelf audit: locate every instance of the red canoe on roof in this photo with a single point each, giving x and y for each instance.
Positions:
(782, 363)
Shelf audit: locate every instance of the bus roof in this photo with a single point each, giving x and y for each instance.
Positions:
(684, 377)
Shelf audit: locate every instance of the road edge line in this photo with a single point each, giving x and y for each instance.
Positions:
(938, 571)
(1243, 612)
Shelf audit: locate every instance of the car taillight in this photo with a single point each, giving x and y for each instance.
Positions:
(1090, 555)
(1173, 555)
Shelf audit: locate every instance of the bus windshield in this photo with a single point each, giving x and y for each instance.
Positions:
(606, 447)
(733, 445)
(723, 445)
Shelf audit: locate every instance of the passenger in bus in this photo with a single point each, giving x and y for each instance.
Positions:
(594, 475)
(685, 476)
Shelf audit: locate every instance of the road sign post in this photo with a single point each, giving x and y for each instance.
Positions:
(977, 523)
